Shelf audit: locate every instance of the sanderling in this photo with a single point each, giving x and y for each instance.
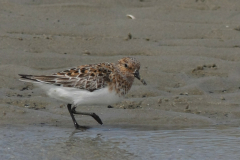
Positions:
(103, 83)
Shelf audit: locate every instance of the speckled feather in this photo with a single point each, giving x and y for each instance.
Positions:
(118, 77)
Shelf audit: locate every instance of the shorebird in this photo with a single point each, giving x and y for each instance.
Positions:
(103, 83)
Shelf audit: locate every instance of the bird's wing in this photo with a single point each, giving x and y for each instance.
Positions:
(88, 77)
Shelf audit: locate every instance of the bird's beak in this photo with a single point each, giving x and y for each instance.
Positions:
(137, 75)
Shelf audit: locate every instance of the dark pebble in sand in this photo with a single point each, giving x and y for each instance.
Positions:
(129, 36)
(109, 106)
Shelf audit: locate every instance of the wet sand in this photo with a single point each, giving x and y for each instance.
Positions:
(189, 54)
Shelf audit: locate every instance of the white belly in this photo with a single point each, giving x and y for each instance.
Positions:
(81, 97)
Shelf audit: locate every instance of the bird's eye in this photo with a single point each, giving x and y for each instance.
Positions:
(126, 65)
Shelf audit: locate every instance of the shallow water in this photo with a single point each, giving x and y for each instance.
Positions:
(128, 142)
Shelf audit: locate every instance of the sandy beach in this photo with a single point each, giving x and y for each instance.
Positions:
(189, 53)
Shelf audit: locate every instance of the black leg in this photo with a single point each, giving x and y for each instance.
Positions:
(96, 117)
(69, 106)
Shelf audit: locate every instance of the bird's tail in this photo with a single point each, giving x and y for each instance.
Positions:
(27, 78)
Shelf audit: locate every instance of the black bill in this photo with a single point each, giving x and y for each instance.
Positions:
(136, 74)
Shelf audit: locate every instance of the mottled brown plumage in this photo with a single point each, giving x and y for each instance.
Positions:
(119, 77)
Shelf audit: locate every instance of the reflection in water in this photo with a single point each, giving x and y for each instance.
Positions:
(118, 143)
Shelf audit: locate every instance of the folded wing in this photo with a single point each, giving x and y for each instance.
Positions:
(88, 77)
